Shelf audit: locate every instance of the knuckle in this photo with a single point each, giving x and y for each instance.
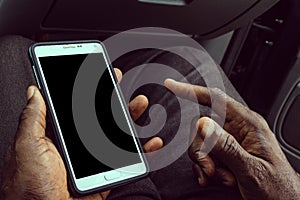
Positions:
(191, 93)
(262, 121)
(257, 120)
(196, 153)
(217, 95)
(192, 151)
(34, 116)
(229, 146)
(218, 92)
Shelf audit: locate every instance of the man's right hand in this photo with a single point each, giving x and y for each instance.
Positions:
(245, 146)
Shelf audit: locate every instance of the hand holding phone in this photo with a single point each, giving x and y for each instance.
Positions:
(37, 155)
(56, 67)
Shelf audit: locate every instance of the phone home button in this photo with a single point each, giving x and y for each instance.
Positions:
(112, 175)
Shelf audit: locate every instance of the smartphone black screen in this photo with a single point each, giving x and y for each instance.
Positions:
(60, 73)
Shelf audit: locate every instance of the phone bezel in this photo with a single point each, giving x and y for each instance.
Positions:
(77, 184)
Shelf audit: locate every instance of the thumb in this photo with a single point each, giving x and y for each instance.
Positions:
(222, 145)
(32, 121)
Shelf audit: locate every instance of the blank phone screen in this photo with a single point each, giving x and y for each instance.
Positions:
(60, 74)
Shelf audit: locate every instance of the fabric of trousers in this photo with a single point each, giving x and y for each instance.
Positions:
(175, 181)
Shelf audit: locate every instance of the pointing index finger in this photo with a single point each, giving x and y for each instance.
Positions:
(222, 104)
(189, 91)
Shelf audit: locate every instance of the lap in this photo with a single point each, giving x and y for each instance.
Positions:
(174, 181)
(15, 76)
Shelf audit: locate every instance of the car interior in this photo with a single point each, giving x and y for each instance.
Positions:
(256, 42)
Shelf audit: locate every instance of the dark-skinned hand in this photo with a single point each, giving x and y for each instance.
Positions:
(245, 152)
(34, 168)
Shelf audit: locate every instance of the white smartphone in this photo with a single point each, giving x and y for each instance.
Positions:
(98, 154)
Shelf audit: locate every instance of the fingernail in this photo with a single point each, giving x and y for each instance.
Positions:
(199, 181)
(30, 92)
(168, 80)
(226, 183)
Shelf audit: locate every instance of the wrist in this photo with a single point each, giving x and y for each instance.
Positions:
(296, 185)
(286, 184)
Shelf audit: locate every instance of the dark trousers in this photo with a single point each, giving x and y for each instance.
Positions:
(175, 181)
